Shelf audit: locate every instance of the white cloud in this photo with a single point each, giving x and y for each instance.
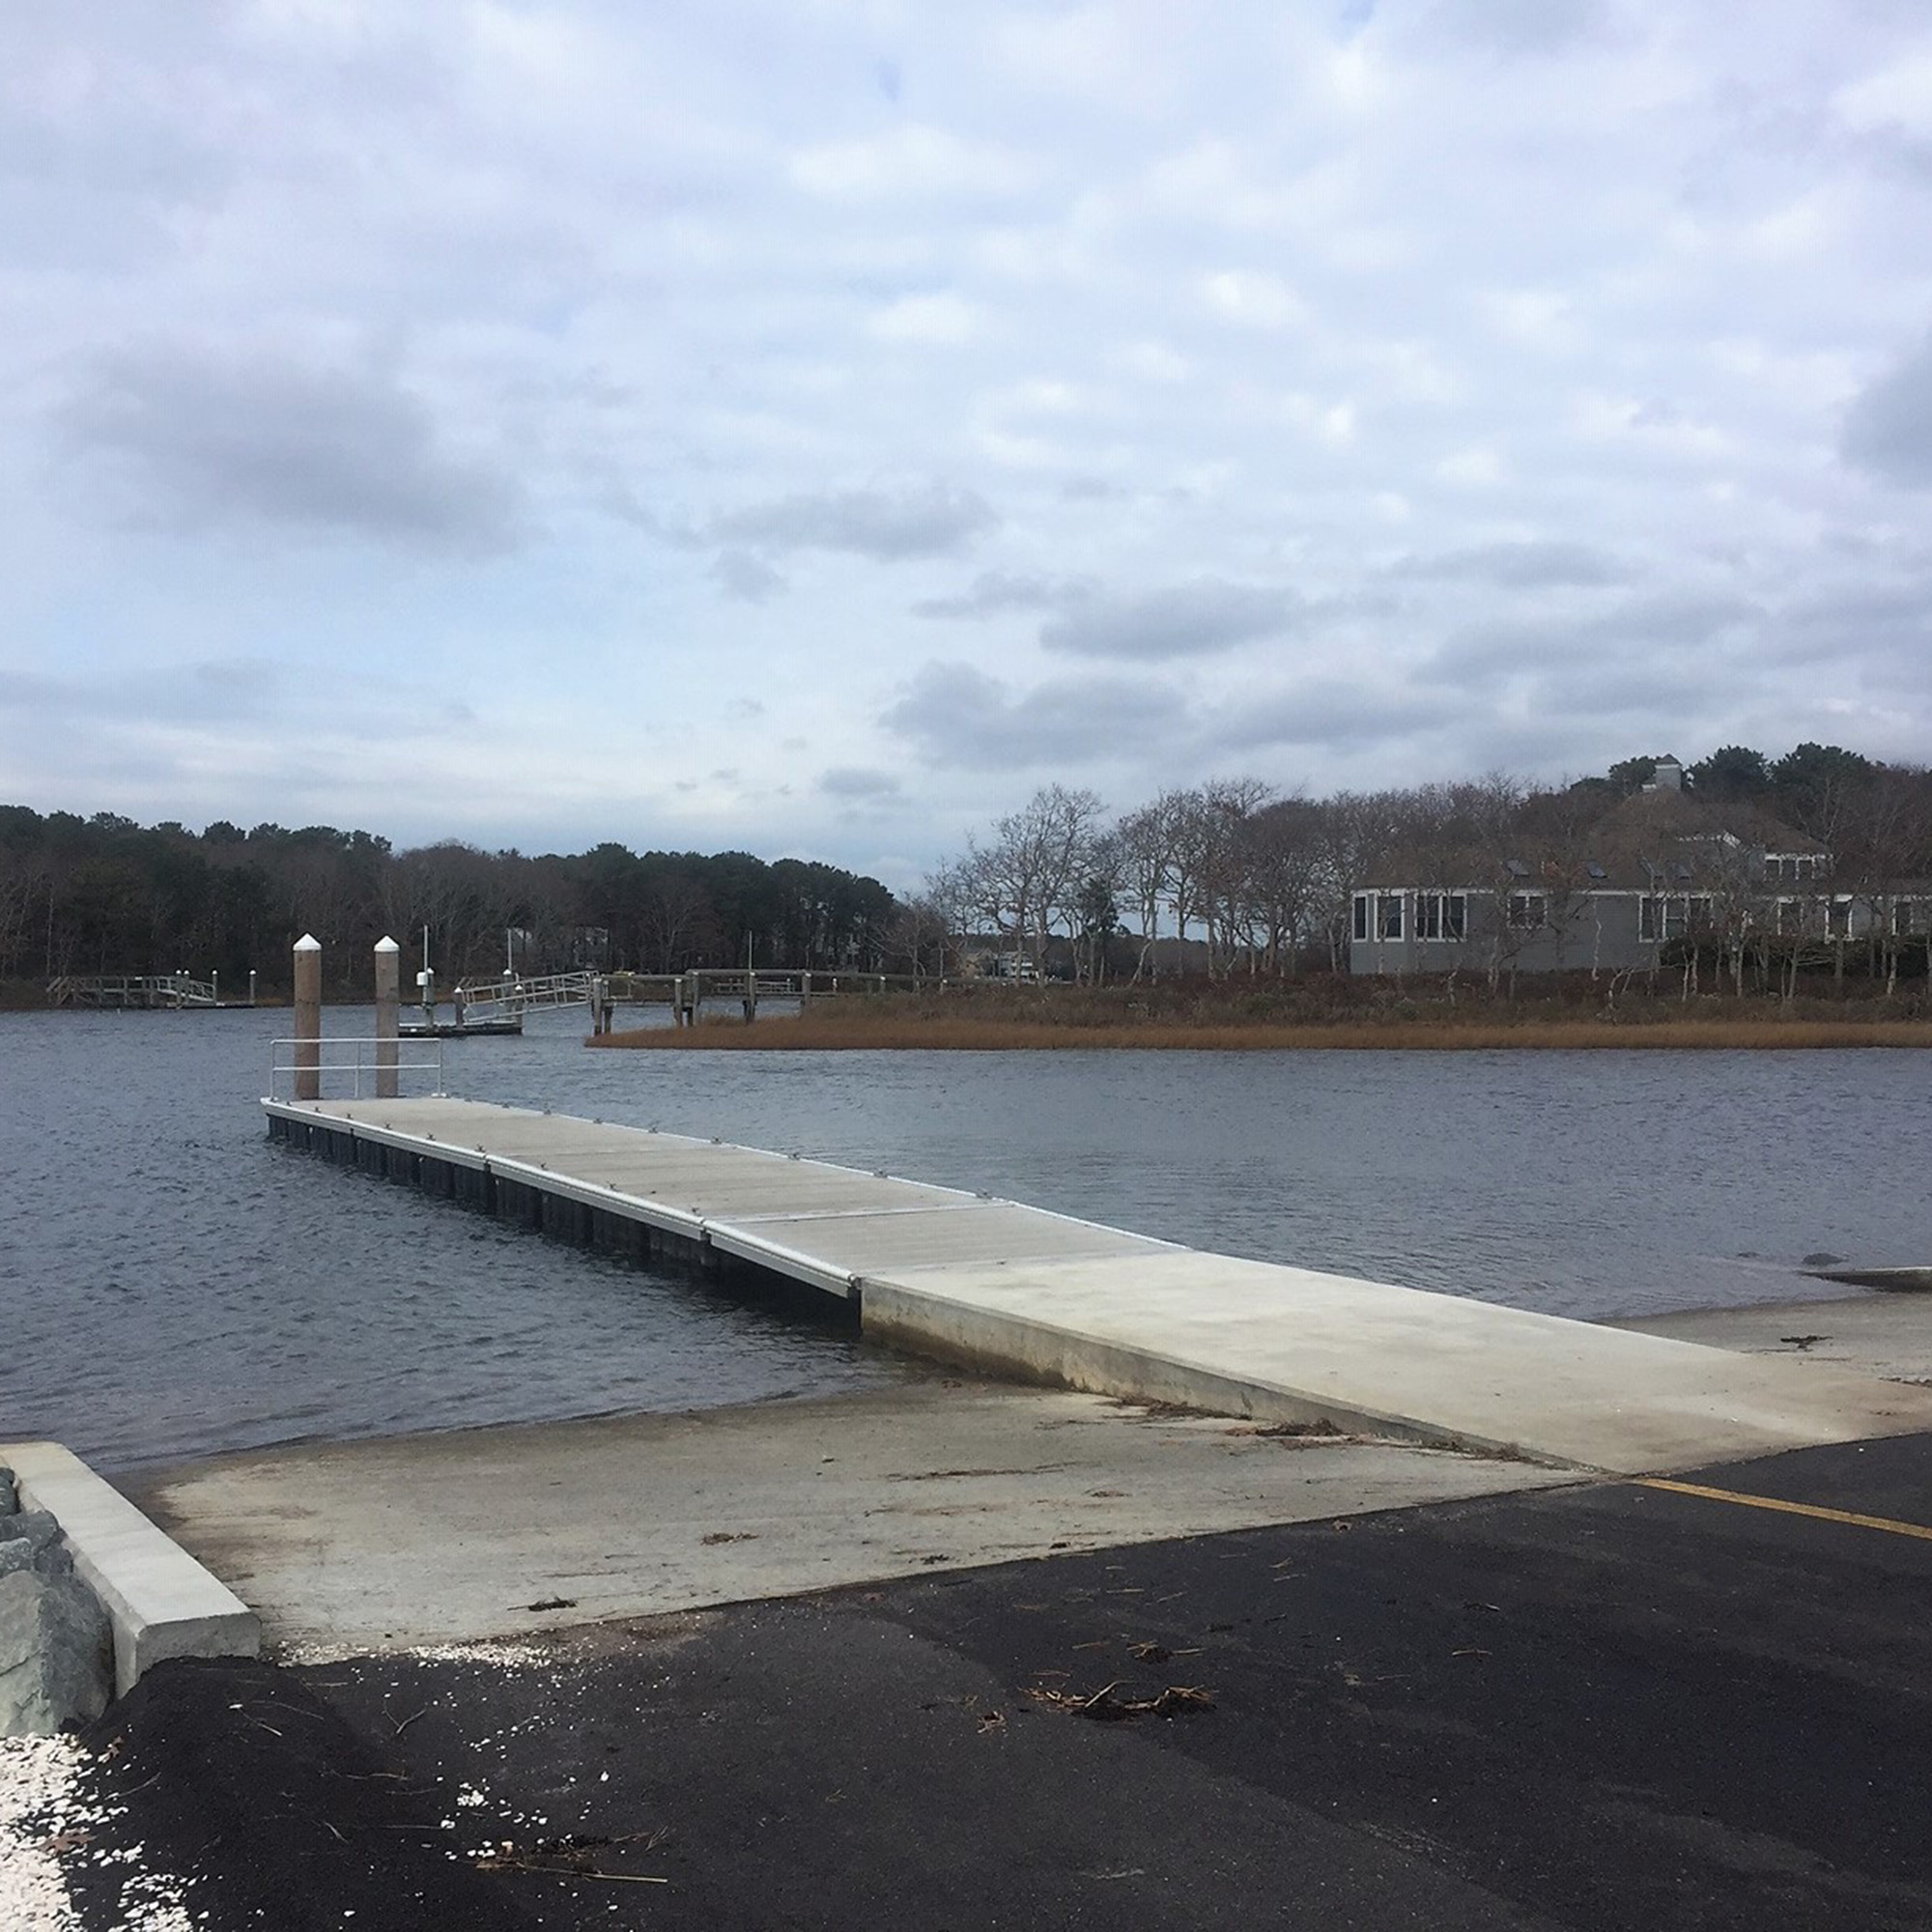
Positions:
(1541, 319)
(910, 163)
(1203, 377)
(1898, 94)
(1479, 467)
(1153, 362)
(941, 319)
(1253, 299)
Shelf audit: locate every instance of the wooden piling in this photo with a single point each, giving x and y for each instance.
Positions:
(388, 1001)
(309, 1017)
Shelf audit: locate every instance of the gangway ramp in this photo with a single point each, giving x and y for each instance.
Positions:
(487, 998)
(998, 1284)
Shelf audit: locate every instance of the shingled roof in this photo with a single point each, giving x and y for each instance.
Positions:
(1661, 840)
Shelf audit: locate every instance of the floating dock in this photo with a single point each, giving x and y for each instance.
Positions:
(466, 1029)
(1001, 1287)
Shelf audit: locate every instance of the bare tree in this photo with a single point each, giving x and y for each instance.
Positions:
(920, 934)
(24, 884)
(1885, 833)
(1183, 874)
(677, 922)
(1514, 904)
(1359, 832)
(1226, 899)
(1031, 874)
(455, 890)
(1143, 837)
(949, 893)
(1097, 906)
(1282, 864)
(1555, 831)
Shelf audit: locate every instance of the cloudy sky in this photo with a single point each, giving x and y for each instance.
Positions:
(810, 425)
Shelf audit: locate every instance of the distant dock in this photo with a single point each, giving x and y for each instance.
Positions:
(510, 1027)
(144, 993)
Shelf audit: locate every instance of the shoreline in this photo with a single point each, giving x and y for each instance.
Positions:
(942, 1034)
(1888, 1336)
(773, 1498)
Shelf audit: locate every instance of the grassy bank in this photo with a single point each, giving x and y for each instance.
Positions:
(1334, 1016)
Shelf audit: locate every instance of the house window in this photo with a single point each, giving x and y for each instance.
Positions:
(1841, 917)
(1441, 915)
(1389, 906)
(1526, 909)
(1700, 913)
(1362, 900)
(1907, 916)
(1661, 918)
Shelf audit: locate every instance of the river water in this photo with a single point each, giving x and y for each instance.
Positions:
(173, 1284)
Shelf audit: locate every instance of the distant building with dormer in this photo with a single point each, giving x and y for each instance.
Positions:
(1661, 867)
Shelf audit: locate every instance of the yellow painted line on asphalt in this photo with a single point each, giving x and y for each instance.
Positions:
(1818, 1510)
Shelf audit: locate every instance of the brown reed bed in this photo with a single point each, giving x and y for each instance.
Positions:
(926, 1032)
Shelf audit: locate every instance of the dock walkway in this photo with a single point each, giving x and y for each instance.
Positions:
(1017, 1290)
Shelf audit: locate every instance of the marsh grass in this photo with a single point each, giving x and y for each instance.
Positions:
(1335, 1015)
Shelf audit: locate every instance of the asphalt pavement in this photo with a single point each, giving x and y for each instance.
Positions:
(1614, 1705)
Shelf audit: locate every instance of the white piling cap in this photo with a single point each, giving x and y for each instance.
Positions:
(308, 943)
(386, 945)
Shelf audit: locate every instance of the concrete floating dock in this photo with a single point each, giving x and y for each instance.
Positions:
(1014, 1290)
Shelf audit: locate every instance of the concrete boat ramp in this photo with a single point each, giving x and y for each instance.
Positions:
(1014, 1290)
(463, 1536)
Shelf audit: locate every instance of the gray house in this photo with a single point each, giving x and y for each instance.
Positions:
(1658, 867)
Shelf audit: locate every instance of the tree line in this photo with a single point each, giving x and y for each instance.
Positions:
(1258, 881)
(103, 894)
(1262, 882)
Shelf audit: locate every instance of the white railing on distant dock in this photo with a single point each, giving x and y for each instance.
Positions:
(152, 991)
(348, 1066)
(489, 997)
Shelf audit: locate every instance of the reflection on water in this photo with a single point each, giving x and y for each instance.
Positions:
(174, 1284)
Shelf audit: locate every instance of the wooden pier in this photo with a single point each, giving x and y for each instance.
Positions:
(141, 992)
(994, 1284)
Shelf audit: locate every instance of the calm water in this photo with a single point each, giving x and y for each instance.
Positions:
(173, 1284)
